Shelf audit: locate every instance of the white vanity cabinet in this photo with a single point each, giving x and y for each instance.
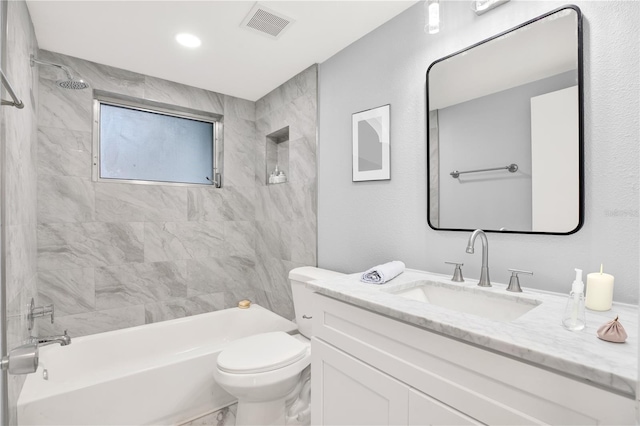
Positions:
(369, 369)
(355, 393)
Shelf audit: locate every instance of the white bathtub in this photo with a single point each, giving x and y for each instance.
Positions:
(158, 374)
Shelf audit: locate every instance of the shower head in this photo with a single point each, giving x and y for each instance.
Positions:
(70, 82)
(75, 84)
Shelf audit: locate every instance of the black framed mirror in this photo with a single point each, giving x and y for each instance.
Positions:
(505, 131)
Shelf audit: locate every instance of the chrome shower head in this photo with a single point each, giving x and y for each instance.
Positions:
(74, 84)
(70, 82)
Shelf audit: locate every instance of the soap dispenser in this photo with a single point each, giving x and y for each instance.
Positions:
(574, 314)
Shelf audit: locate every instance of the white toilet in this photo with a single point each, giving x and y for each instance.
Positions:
(269, 373)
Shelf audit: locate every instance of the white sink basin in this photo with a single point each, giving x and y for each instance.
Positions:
(470, 300)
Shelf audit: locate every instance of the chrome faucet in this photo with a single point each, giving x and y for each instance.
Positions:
(62, 339)
(484, 272)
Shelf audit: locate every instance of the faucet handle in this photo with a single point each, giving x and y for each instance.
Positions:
(514, 281)
(38, 311)
(457, 273)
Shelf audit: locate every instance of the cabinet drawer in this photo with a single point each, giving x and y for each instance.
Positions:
(489, 387)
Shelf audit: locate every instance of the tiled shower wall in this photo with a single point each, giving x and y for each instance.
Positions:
(19, 181)
(115, 255)
(286, 213)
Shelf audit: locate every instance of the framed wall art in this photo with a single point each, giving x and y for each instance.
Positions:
(371, 151)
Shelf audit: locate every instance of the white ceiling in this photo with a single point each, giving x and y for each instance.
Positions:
(139, 36)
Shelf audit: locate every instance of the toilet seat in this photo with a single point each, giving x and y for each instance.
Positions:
(261, 353)
(279, 379)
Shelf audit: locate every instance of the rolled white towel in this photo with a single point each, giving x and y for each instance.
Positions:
(382, 273)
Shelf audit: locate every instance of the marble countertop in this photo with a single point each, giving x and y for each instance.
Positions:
(537, 336)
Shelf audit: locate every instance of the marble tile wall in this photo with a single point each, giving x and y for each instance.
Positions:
(19, 160)
(286, 221)
(111, 256)
(116, 255)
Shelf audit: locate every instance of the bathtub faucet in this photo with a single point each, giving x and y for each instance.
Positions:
(62, 339)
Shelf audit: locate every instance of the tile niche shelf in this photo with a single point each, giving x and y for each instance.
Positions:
(278, 157)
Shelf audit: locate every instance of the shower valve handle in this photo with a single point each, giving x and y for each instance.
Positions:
(39, 311)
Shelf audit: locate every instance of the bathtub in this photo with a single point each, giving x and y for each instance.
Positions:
(160, 374)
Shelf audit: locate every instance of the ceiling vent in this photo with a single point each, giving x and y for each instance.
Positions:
(266, 21)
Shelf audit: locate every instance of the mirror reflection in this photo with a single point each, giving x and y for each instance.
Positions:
(505, 131)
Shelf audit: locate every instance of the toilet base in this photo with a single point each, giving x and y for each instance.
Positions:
(299, 407)
(292, 409)
(260, 413)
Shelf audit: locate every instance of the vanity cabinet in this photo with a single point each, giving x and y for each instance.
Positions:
(355, 393)
(369, 369)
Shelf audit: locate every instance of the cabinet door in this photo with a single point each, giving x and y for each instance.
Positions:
(424, 410)
(347, 391)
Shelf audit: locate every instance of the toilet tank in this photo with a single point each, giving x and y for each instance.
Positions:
(302, 295)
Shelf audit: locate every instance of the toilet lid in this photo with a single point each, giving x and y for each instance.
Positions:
(261, 353)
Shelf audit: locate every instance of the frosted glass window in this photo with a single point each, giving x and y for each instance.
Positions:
(148, 146)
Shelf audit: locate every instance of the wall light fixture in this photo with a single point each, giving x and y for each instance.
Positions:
(431, 16)
(483, 6)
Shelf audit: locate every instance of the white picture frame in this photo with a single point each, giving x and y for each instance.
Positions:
(371, 144)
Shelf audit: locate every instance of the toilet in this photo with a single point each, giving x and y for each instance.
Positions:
(269, 373)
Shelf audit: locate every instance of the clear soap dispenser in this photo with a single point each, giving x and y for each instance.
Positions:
(574, 314)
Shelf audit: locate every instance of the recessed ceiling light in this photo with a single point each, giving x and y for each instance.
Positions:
(188, 40)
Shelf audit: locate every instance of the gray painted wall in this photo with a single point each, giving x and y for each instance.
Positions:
(503, 198)
(362, 224)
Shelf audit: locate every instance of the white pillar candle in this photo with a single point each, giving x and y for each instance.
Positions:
(599, 291)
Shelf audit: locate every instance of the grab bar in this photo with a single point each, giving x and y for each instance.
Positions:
(16, 102)
(511, 167)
